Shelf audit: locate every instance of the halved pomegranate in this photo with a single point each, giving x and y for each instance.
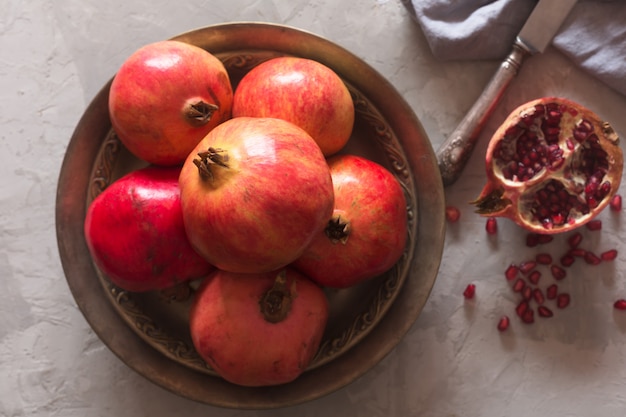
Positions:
(552, 166)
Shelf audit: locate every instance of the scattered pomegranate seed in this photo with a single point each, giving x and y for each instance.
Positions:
(544, 311)
(545, 239)
(521, 308)
(557, 272)
(578, 252)
(532, 240)
(534, 277)
(544, 258)
(526, 267)
(519, 285)
(491, 226)
(538, 296)
(574, 240)
(552, 291)
(616, 203)
(594, 225)
(452, 214)
(529, 316)
(567, 260)
(620, 304)
(511, 272)
(562, 300)
(527, 292)
(470, 291)
(503, 323)
(609, 255)
(591, 258)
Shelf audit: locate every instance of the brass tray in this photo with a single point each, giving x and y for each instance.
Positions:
(149, 332)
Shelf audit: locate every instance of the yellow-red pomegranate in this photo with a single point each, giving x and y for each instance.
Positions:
(302, 91)
(254, 192)
(258, 329)
(552, 166)
(167, 96)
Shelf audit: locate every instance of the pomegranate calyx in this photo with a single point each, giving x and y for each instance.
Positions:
(199, 112)
(491, 203)
(275, 303)
(211, 157)
(337, 230)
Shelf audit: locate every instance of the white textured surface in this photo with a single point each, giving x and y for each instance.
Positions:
(54, 57)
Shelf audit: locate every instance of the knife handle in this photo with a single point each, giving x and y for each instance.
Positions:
(453, 154)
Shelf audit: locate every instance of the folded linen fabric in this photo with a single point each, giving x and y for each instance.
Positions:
(593, 36)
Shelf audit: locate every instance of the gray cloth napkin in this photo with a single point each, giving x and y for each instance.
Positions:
(593, 36)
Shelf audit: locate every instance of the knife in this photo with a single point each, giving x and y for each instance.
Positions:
(541, 26)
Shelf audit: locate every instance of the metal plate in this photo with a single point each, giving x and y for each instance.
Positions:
(149, 333)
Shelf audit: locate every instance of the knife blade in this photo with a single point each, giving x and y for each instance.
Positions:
(536, 34)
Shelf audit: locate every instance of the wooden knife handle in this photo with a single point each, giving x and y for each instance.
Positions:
(453, 154)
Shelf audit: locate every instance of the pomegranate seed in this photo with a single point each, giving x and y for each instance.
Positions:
(503, 323)
(527, 292)
(591, 258)
(620, 304)
(594, 225)
(491, 226)
(543, 258)
(529, 316)
(545, 239)
(609, 255)
(519, 285)
(562, 300)
(567, 260)
(616, 203)
(557, 272)
(511, 272)
(452, 214)
(526, 267)
(544, 311)
(534, 277)
(538, 296)
(532, 240)
(574, 240)
(521, 308)
(469, 292)
(578, 252)
(552, 291)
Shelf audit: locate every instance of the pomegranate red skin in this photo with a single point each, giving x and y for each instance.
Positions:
(302, 91)
(261, 212)
(231, 334)
(134, 230)
(370, 199)
(152, 99)
(504, 197)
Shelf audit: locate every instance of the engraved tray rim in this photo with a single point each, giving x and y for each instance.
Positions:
(77, 262)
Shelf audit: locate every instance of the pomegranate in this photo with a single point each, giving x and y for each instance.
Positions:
(552, 166)
(367, 232)
(166, 97)
(258, 329)
(135, 233)
(255, 191)
(302, 91)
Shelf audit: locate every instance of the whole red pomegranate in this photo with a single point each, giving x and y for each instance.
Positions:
(254, 193)
(134, 230)
(258, 329)
(552, 166)
(368, 230)
(166, 97)
(302, 91)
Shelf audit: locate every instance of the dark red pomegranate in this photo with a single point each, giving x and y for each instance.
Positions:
(134, 230)
(552, 166)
